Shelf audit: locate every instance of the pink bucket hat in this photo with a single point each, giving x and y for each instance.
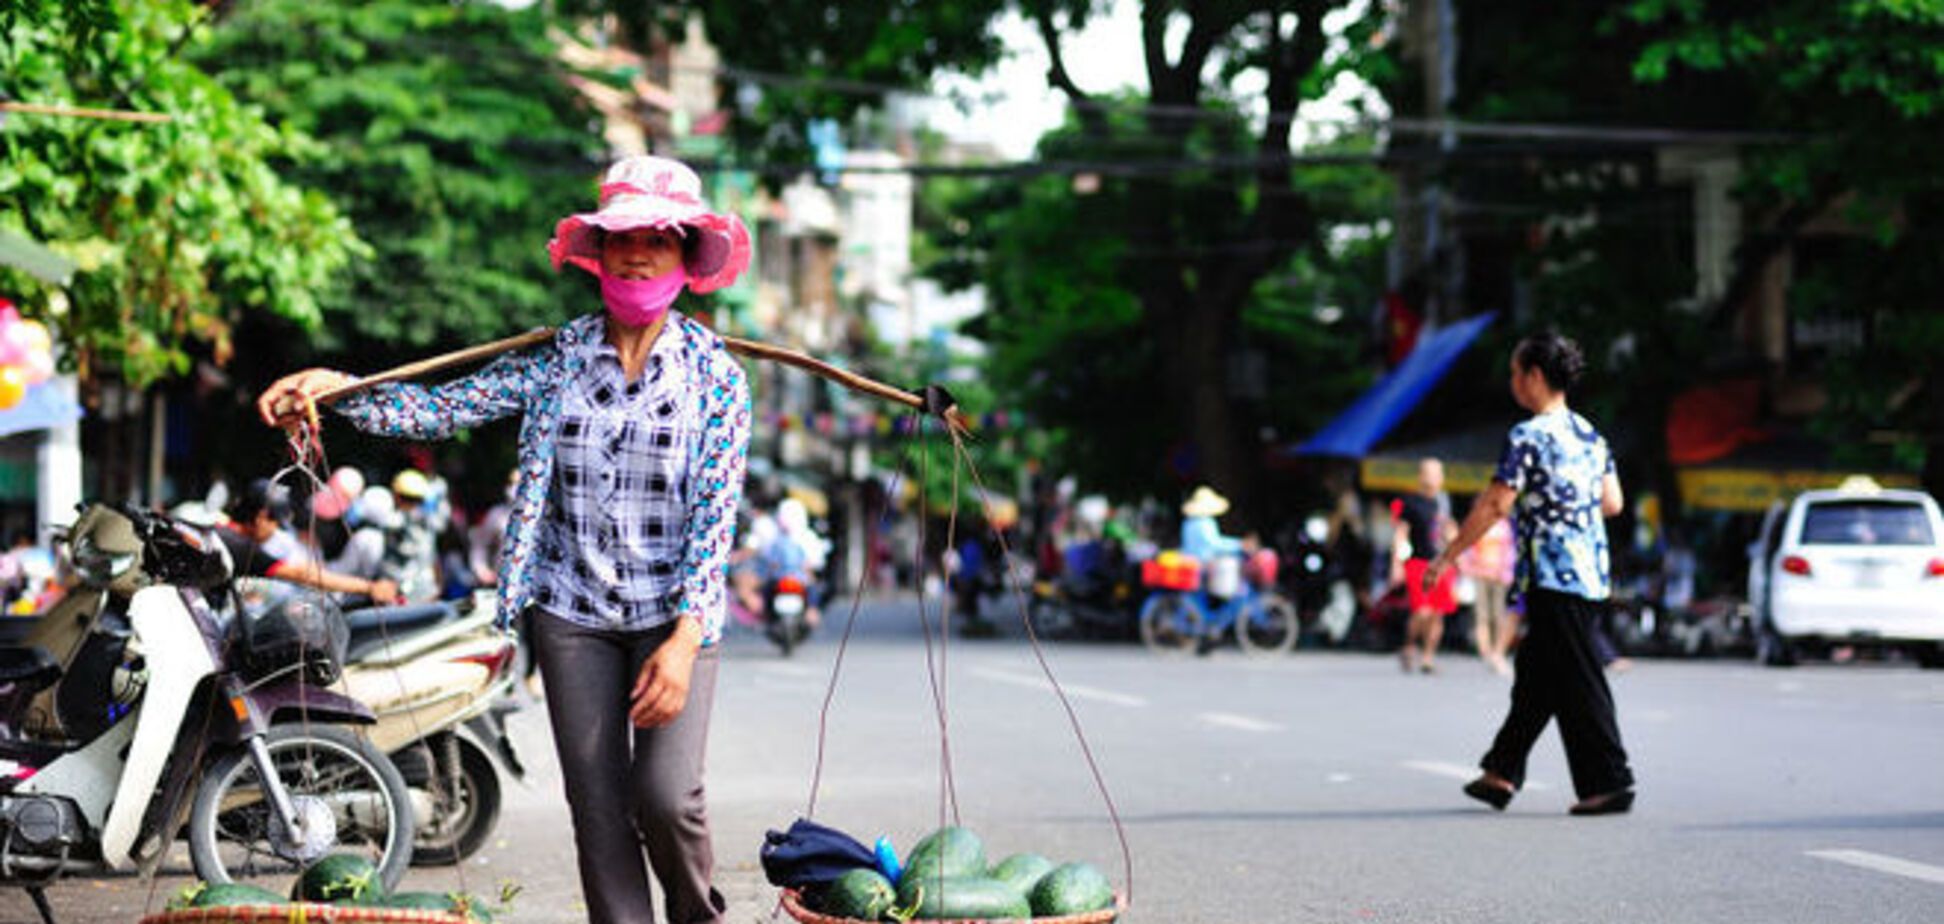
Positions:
(644, 191)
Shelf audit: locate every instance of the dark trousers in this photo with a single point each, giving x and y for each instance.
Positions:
(630, 789)
(1560, 676)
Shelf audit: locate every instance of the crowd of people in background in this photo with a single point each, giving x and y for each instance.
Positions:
(405, 537)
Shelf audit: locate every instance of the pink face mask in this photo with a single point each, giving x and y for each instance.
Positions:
(641, 302)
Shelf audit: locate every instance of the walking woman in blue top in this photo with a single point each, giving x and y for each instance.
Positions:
(1557, 474)
(634, 432)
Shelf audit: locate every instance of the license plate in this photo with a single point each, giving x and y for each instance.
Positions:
(789, 606)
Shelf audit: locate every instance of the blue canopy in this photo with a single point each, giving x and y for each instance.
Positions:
(44, 406)
(1355, 431)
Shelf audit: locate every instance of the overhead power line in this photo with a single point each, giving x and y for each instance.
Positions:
(1531, 131)
(1517, 155)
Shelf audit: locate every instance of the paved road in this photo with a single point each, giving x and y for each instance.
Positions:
(1317, 787)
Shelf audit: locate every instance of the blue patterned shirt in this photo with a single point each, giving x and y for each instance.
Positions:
(530, 384)
(1558, 464)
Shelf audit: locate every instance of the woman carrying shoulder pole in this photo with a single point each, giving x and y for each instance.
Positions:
(633, 438)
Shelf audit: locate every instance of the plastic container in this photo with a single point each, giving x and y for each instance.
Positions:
(1225, 577)
(1171, 570)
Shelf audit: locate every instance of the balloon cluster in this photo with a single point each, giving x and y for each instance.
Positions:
(26, 355)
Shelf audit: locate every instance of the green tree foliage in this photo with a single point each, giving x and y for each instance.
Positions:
(1860, 87)
(179, 227)
(1072, 342)
(449, 135)
(1182, 294)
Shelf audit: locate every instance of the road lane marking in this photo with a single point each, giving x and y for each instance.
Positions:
(1882, 863)
(1456, 771)
(1073, 690)
(1238, 722)
(1338, 778)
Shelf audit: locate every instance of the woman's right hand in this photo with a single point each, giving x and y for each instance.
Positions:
(286, 403)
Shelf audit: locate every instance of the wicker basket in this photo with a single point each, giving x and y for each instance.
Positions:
(796, 910)
(302, 913)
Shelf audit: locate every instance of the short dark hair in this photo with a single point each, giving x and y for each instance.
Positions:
(262, 496)
(1556, 357)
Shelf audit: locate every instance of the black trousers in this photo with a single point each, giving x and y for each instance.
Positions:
(630, 790)
(1560, 676)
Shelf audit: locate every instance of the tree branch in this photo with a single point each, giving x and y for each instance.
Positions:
(1057, 76)
(1206, 28)
(1291, 58)
(1154, 34)
(1280, 214)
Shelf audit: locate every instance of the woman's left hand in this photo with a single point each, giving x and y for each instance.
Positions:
(661, 689)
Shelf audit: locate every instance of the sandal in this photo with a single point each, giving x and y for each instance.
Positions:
(1490, 793)
(1618, 802)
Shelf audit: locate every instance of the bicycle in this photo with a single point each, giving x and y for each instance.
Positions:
(1185, 614)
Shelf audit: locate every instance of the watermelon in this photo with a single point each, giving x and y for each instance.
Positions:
(419, 901)
(340, 877)
(863, 894)
(1075, 888)
(945, 852)
(961, 898)
(235, 894)
(1022, 871)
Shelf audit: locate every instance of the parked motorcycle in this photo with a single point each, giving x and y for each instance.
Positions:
(439, 677)
(164, 703)
(1326, 604)
(1089, 605)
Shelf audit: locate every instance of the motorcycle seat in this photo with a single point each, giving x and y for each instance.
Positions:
(29, 669)
(375, 625)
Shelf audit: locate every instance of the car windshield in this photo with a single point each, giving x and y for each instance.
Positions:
(1866, 523)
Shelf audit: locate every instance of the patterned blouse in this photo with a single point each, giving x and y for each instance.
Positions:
(611, 542)
(534, 383)
(1558, 463)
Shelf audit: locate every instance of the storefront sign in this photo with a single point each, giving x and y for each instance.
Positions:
(1745, 490)
(1400, 476)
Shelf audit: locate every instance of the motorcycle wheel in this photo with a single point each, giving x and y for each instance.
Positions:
(328, 771)
(465, 801)
(783, 631)
(1268, 628)
(1169, 625)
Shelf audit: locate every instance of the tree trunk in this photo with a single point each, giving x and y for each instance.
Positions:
(1205, 417)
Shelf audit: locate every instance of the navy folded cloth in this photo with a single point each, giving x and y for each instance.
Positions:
(810, 855)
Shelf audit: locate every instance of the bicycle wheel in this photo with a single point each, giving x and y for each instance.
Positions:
(1267, 626)
(1170, 625)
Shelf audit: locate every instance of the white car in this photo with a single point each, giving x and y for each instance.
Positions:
(1855, 565)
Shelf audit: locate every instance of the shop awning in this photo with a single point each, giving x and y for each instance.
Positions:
(44, 406)
(1355, 431)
